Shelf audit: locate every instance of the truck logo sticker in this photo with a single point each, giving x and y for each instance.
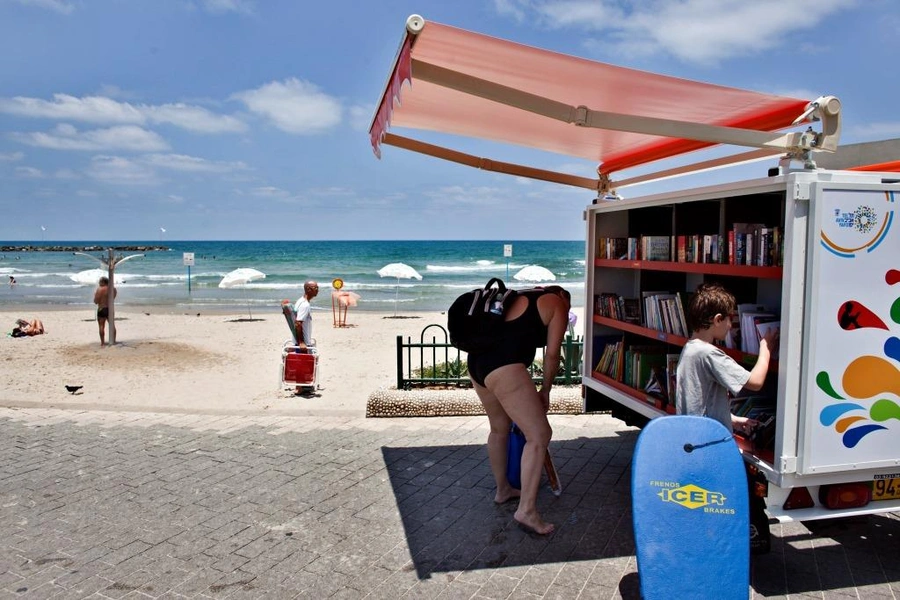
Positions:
(848, 233)
(865, 378)
(693, 497)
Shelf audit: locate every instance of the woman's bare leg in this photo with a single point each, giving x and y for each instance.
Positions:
(516, 393)
(497, 443)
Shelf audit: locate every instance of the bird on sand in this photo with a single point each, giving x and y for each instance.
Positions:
(73, 388)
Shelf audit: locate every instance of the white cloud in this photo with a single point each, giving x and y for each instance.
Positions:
(103, 110)
(294, 106)
(193, 118)
(121, 171)
(510, 8)
(269, 192)
(59, 6)
(695, 31)
(11, 156)
(880, 131)
(456, 195)
(181, 162)
(66, 174)
(122, 137)
(91, 109)
(29, 173)
(360, 117)
(224, 6)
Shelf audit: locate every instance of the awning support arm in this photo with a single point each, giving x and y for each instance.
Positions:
(827, 108)
(489, 165)
(697, 167)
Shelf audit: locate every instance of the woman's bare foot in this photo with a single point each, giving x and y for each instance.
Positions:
(532, 522)
(504, 496)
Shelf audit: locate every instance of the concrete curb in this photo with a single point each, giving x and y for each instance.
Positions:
(391, 402)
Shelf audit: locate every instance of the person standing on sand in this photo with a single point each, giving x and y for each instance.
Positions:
(536, 319)
(101, 299)
(303, 315)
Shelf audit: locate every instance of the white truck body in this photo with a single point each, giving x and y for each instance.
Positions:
(838, 389)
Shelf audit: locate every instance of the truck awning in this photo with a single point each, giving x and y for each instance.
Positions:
(474, 85)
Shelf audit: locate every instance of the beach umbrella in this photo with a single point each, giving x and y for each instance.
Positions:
(239, 278)
(535, 274)
(400, 271)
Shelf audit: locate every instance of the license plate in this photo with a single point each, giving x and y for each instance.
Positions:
(886, 489)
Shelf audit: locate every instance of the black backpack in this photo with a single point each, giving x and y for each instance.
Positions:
(475, 319)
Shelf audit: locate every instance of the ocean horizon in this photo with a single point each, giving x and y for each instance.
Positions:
(160, 278)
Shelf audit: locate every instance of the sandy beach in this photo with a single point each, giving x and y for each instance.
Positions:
(217, 363)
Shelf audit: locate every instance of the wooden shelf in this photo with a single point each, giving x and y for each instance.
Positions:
(707, 268)
(625, 389)
(676, 340)
(661, 336)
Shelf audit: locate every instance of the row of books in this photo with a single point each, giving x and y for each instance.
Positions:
(750, 244)
(640, 367)
(646, 247)
(614, 306)
(660, 311)
(664, 311)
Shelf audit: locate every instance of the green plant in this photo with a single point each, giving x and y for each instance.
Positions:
(456, 369)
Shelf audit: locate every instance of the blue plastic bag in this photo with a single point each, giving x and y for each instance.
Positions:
(514, 447)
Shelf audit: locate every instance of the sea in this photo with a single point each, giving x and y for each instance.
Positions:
(159, 277)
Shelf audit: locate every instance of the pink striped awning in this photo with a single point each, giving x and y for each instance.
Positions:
(473, 85)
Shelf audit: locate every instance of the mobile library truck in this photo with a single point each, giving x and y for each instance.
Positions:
(812, 251)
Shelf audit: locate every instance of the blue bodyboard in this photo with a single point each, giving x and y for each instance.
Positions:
(690, 511)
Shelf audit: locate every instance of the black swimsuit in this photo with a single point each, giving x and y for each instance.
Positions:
(519, 341)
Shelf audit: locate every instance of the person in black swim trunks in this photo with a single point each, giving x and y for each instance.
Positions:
(101, 299)
(537, 318)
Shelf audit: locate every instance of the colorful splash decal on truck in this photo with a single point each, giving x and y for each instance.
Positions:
(862, 229)
(866, 377)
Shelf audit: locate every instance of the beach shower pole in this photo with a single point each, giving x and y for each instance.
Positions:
(507, 252)
(111, 262)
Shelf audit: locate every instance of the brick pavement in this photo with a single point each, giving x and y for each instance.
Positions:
(140, 505)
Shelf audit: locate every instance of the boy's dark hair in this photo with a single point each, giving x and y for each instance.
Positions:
(709, 300)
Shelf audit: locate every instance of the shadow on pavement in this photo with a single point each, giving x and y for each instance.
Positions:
(829, 554)
(445, 498)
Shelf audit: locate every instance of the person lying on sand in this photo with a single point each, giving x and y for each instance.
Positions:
(25, 328)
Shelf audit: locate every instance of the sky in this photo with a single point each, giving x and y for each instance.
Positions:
(247, 119)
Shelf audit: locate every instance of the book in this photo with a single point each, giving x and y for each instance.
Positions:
(631, 312)
(671, 370)
(764, 328)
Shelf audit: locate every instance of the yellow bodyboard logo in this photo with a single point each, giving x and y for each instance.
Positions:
(692, 496)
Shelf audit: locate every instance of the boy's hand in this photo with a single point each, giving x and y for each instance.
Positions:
(743, 424)
(773, 336)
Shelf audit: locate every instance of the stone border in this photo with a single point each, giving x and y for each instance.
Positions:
(391, 402)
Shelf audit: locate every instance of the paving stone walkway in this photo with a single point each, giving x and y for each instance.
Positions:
(139, 505)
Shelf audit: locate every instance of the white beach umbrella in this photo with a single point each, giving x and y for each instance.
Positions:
(240, 278)
(535, 274)
(400, 271)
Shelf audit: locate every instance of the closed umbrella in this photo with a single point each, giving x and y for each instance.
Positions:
(535, 274)
(239, 278)
(400, 271)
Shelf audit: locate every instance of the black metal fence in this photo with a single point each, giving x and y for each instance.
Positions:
(432, 361)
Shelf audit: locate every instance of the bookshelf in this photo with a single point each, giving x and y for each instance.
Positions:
(804, 280)
(664, 246)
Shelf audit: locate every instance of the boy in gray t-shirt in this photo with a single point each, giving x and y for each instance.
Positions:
(705, 373)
